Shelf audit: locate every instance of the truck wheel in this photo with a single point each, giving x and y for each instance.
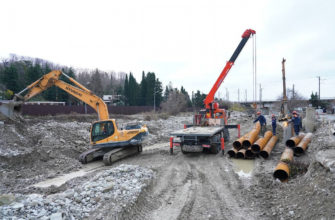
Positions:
(182, 150)
(215, 148)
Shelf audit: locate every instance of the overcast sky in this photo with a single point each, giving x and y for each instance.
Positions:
(186, 42)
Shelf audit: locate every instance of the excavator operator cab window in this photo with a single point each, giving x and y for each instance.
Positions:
(102, 130)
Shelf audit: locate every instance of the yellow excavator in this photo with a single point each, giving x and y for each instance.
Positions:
(107, 141)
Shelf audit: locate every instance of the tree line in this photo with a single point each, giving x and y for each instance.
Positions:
(16, 73)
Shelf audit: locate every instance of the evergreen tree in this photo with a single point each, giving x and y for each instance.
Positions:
(10, 78)
(166, 93)
(126, 89)
(158, 92)
(134, 96)
(143, 88)
(198, 100)
(188, 100)
(151, 82)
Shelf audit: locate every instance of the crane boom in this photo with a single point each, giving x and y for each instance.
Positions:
(80, 92)
(210, 97)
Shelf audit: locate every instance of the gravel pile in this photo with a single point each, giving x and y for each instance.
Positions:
(117, 187)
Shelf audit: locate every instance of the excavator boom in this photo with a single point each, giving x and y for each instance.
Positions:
(80, 92)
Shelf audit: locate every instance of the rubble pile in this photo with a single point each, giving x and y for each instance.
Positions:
(117, 187)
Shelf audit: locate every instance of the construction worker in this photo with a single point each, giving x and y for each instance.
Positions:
(296, 122)
(262, 121)
(274, 124)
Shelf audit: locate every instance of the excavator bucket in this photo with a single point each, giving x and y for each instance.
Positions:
(8, 108)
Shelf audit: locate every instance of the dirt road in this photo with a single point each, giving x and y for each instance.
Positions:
(193, 186)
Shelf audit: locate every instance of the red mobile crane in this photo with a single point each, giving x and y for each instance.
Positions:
(212, 107)
(197, 138)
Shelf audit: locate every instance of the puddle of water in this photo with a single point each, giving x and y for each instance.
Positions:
(58, 181)
(243, 168)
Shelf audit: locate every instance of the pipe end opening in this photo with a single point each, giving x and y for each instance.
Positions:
(264, 154)
(281, 175)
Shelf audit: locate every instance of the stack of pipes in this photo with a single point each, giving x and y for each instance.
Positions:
(259, 145)
(243, 147)
(295, 146)
(239, 146)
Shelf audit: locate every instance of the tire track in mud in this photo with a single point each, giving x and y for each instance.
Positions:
(196, 186)
(167, 194)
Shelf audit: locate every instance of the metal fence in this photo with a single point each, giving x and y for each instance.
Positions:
(42, 110)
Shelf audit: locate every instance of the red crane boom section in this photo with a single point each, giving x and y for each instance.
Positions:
(210, 97)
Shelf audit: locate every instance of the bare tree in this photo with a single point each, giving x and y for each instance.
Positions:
(294, 99)
(176, 102)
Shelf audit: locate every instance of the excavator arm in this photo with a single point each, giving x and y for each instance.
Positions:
(79, 91)
(210, 97)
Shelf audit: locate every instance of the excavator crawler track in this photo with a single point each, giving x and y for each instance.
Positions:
(91, 155)
(120, 153)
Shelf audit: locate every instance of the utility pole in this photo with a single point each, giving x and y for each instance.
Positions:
(260, 93)
(154, 99)
(319, 88)
(293, 94)
(284, 101)
(246, 95)
(238, 91)
(227, 94)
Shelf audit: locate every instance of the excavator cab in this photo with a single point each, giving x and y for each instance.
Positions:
(102, 130)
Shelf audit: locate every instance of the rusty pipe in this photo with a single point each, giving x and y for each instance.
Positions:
(257, 126)
(268, 147)
(302, 146)
(287, 155)
(282, 171)
(232, 152)
(238, 143)
(241, 153)
(260, 143)
(250, 138)
(294, 141)
(249, 154)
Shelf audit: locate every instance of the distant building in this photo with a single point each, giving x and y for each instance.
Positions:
(112, 99)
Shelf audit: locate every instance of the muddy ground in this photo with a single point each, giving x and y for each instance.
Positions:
(155, 184)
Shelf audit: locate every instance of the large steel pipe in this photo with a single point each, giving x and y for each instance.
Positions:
(249, 154)
(287, 155)
(302, 146)
(268, 147)
(232, 152)
(238, 143)
(260, 143)
(282, 171)
(241, 154)
(252, 136)
(294, 141)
